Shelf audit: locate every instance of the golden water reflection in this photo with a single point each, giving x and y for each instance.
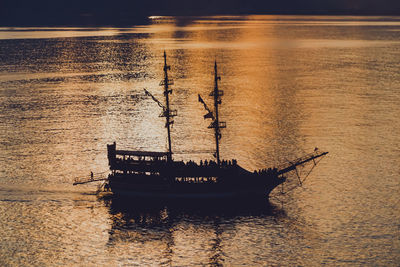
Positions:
(290, 84)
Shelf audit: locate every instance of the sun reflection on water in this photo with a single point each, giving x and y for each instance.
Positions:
(290, 83)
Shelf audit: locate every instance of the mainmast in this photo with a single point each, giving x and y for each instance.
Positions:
(217, 101)
(215, 124)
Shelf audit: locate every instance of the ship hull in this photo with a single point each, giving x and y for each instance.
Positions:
(170, 194)
(128, 186)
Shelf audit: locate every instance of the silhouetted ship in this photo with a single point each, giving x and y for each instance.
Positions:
(158, 175)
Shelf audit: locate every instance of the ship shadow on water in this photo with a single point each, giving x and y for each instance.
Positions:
(143, 221)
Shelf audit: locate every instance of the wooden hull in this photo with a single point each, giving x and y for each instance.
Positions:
(188, 195)
(244, 187)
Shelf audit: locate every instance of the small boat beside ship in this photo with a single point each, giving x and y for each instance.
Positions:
(152, 174)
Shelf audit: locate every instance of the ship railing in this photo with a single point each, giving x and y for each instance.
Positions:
(91, 178)
(127, 163)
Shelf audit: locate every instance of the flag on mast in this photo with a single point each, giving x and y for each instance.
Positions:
(209, 115)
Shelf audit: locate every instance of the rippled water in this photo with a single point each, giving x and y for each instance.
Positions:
(291, 83)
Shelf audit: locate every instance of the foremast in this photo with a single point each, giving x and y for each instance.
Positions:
(167, 112)
(216, 124)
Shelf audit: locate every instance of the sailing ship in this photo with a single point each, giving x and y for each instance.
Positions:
(157, 175)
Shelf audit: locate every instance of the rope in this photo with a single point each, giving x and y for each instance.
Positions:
(285, 192)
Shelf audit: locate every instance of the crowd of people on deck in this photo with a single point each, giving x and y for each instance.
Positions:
(266, 171)
(190, 163)
(212, 163)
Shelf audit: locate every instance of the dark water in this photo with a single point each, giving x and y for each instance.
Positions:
(291, 84)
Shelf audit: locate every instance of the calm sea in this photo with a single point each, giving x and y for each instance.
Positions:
(291, 83)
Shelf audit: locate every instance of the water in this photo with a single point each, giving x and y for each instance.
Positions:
(291, 83)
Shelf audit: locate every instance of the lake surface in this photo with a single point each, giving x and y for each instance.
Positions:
(291, 83)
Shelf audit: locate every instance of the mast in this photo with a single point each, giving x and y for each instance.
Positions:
(167, 112)
(215, 124)
(217, 101)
